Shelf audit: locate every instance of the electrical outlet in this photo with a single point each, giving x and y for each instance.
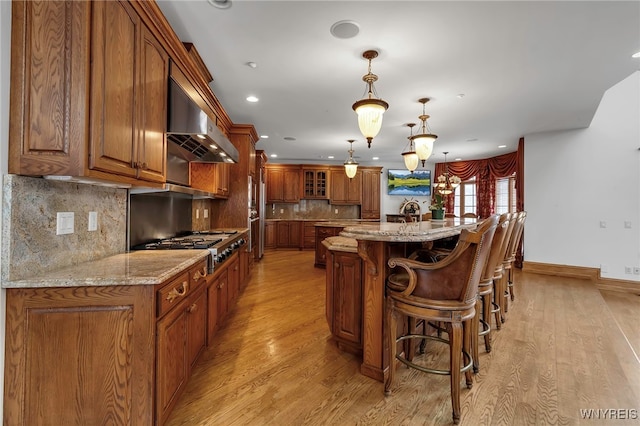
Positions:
(197, 213)
(64, 223)
(336, 211)
(93, 221)
(206, 213)
(627, 269)
(281, 211)
(636, 270)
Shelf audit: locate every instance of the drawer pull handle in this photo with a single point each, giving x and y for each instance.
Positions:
(220, 285)
(175, 292)
(200, 274)
(192, 308)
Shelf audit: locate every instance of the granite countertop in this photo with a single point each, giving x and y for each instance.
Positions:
(344, 222)
(339, 243)
(428, 230)
(145, 267)
(323, 222)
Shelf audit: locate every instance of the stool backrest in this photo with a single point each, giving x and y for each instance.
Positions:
(496, 254)
(455, 277)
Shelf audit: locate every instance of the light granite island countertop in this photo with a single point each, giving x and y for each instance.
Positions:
(420, 231)
(144, 267)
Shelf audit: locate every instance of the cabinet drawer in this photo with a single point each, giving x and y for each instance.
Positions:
(173, 293)
(198, 274)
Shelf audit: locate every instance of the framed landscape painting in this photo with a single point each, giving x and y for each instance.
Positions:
(403, 182)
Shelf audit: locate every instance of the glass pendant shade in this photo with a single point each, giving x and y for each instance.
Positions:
(410, 160)
(424, 146)
(350, 169)
(351, 165)
(370, 113)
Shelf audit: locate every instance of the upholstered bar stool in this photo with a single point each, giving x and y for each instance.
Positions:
(513, 250)
(484, 307)
(499, 282)
(509, 258)
(445, 292)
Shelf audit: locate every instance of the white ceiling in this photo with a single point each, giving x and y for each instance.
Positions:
(523, 67)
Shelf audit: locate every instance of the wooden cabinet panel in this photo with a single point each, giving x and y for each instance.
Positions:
(283, 184)
(344, 299)
(370, 194)
(345, 190)
(196, 325)
(309, 236)
(49, 86)
(94, 346)
(270, 229)
(152, 146)
(115, 49)
(289, 234)
(233, 279)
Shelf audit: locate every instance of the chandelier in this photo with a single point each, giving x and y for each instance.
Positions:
(410, 157)
(424, 141)
(370, 109)
(350, 166)
(446, 183)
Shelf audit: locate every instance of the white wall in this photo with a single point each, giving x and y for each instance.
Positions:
(5, 55)
(576, 179)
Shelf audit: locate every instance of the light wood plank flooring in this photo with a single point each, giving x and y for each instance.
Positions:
(565, 347)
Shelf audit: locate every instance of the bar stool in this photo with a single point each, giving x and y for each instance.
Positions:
(484, 306)
(446, 292)
(513, 250)
(499, 284)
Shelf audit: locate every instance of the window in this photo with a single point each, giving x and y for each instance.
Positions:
(506, 195)
(467, 193)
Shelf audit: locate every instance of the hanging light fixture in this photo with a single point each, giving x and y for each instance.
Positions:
(424, 141)
(350, 166)
(446, 183)
(370, 109)
(410, 157)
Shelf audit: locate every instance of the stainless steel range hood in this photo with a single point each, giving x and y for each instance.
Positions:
(189, 128)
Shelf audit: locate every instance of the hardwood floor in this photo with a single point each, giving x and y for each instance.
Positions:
(565, 347)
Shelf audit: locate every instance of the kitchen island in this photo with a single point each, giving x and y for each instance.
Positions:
(377, 243)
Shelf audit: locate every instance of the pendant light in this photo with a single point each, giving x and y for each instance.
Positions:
(424, 141)
(446, 183)
(410, 157)
(350, 166)
(370, 109)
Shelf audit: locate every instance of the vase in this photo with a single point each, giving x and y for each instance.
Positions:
(437, 214)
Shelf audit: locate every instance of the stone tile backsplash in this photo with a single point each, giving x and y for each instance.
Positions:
(29, 241)
(311, 209)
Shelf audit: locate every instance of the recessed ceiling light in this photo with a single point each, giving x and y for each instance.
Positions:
(636, 55)
(251, 64)
(220, 4)
(201, 136)
(264, 136)
(502, 146)
(460, 95)
(289, 138)
(274, 155)
(252, 98)
(330, 157)
(457, 159)
(212, 146)
(345, 29)
(375, 158)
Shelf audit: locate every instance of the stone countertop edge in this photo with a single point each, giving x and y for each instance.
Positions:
(145, 267)
(326, 222)
(399, 232)
(338, 244)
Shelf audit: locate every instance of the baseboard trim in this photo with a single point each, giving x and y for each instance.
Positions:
(582, 272)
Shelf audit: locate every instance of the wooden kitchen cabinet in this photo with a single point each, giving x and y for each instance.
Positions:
(370, 208)
(89, 93)
(289, 234)
(80, 356)
(345, 190)
(323, 232)
(181, 334)
(309, 235)
(344, 299)
(128, 101)
(270, 229)
(210, 177)
(315, 183)
(283, 184)
(233, 279)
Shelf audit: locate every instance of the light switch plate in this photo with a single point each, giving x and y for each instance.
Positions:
(64, 223)
(93, 221)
